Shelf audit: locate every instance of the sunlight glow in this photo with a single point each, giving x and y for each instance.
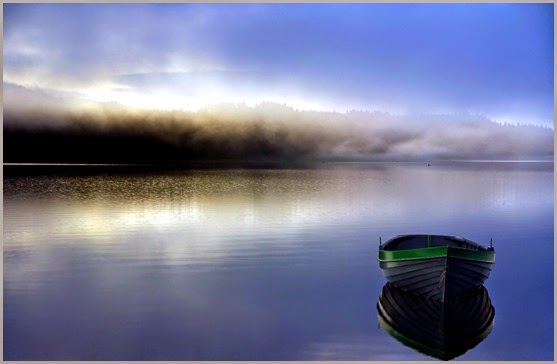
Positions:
(210, 95)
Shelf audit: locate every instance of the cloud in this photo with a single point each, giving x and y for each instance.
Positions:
(489, 58)
(266, 132)
(75, 44)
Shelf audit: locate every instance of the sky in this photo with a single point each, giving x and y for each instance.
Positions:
(495, 60)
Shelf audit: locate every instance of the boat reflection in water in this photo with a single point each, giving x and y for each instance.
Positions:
(444, 330)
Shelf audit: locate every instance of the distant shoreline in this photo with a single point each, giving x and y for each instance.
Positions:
(84, 169)
(220, 163)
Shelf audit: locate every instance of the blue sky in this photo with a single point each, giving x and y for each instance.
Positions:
(492, 59)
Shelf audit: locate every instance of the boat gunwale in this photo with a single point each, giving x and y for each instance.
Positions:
(436, 252)
(453, 238)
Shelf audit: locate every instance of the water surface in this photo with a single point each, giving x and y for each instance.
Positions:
(260, 264)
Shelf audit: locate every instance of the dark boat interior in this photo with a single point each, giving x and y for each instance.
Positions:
(426, 241)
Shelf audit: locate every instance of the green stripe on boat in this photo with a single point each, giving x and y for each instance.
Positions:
(436, 252)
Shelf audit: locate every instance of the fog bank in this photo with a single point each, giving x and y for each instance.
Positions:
(266, 132)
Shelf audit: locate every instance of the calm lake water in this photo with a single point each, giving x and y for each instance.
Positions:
(260, 264)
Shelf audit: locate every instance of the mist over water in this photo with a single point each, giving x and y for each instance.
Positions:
(267, 132)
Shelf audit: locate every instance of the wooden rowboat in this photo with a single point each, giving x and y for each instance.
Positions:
(438, 267)
(443, 330)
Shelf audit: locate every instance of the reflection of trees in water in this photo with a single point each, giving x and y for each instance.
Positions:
(444, 330)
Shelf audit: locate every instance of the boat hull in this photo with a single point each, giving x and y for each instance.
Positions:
(438, 273)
